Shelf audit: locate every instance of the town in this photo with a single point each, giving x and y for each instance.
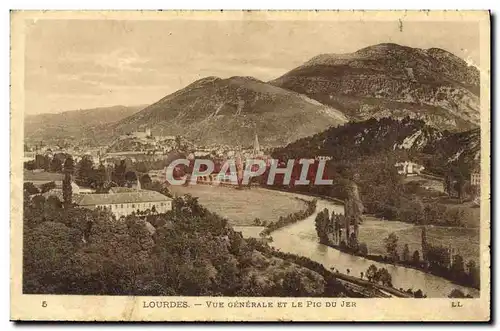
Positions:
(124, 176)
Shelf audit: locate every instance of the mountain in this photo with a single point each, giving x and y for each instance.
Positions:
(464, 147)
(363, 138)
(72, 125)
(407, 138)
(390, 80)
(231, 111)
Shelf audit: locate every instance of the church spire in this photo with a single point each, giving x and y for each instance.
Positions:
(256, 146)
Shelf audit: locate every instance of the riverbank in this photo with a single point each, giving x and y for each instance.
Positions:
(361, 288)
(301, 239)
(309, 194)
(291, 218)
(409, 264)
(243, 207)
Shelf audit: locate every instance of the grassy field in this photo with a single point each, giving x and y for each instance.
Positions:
(432, 191)
(241, 207)
(428, 183)
(42, 176)
(464, 240)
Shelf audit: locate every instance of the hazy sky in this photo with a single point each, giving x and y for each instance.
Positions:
(78, 64)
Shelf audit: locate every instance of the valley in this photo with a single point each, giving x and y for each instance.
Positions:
(242, 207)
(395, 127)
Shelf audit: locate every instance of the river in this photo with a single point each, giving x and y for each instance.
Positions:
(300, 238)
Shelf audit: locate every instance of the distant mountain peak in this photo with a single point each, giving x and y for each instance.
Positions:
(74, 126)
(385, 47)
(245, 78)
(231, 111)
(391, 80)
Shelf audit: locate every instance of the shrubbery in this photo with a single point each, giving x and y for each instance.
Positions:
(70, 250)
(289, 219)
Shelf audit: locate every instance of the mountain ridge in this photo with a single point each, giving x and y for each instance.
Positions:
(390, 79)
(231, 111)
(378, 81)
(408, 138)
(72, 124)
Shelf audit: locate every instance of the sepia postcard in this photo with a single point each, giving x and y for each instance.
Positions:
(250, 166)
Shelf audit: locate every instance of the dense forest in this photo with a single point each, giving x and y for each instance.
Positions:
(402, 139)
(366, 153)
(187, 251)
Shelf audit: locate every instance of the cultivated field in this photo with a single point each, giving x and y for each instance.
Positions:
(464, 240)
(241, 207)
(42, 176)
(433, 192)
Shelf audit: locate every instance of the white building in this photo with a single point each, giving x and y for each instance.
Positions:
(409, 168)
(29, 156)
(75, 189)
(475, 179)
(158, 175)
(123, 204)
(323, 158)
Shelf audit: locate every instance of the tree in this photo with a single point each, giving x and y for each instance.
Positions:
(456, 293)
(424, 243)
(47, 187)
(47, 248)
(145, 181)
(457, 267)
(141, 167)
(448, 180)
(416, 257)
(363, 249)
(56, 165)
(53, 204)
(321, 223)
(178, 142)
(67, 190)
(460, 186)
(337, 221)
(30, 188)
(130, 178)
(473, 274)
(39, 202)
(119, 173)
(42, 162)
(100, 178)
(411, 210)
(391, 245)
(418, 294)
(383, 276)
(371, 273)
(406, 253)
(353, 209)
(69, 165)
(85, 171)
(292, 285)
(30, 165)
(353, 242)
(438, 256)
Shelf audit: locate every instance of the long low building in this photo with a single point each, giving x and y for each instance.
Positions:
(123, 204)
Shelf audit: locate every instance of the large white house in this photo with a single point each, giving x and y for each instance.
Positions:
(123, 204)
(409, 168)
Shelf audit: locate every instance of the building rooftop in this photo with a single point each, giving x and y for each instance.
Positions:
(126, 197)
(58, 193)
(119, 189)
